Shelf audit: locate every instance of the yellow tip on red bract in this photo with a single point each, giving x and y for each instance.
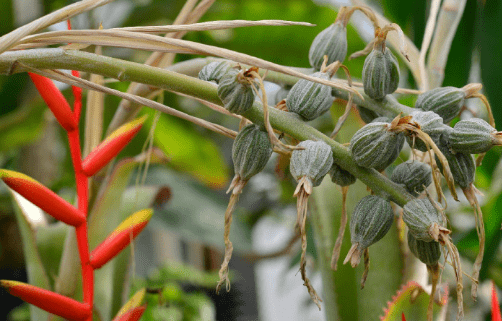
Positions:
(55, 101)
(131, 315)
(42, 197)
(47, 300)
(120, 238)
(111, 146)
(134, 302)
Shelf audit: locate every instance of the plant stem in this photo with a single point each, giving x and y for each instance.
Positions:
(291, 124)
(81, 231)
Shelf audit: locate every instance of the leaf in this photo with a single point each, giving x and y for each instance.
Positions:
(21, 126)
(411, 301)
(194, 213)
(34, 266)
(50, 242)
(188, 150)
(490, 52)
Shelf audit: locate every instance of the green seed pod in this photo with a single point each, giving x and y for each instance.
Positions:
(251, 151)
(340, 176)
(235, 92)
(314, 161)
(310, 99)
(423, 219)
(413, 175)
(473, 136)
(214, 71)
(332, 42)
(444, 101)
(382, 119)
(370, 221)
(431, 124)
(462, 165)
(374, 146)
(367, 115)
(380, 73)
(427, 252)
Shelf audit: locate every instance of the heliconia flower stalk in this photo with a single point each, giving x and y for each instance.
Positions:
(43, 197)
(495, 305)
(120, 238)
(111, 146)
(49, 301)
(55, 101)
(133, 303)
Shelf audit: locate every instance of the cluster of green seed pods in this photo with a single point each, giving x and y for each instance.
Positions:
(376, 145)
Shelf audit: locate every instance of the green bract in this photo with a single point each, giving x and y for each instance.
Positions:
(214, 71)
(235, 92)
(314, 161)
(413, 175)
(340, 176)
(472, 136)
(380, 73)
(370, 221)
(375, 146)
(422, 219)
(332, 42)
(251, 151)
(444, 101)
(427, 252)
(310, 99)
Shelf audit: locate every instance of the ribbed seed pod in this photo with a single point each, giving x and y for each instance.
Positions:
(462, 166)
(370, 221)
(444, 101)
(374, 146)
(413, 175)
(367, 115)
(213, 71)
(423, 219)
(251, 151)
(235, 93)
(473, 136)
(310, 99)
(431, 124)
(332, 42)
(380, 73)
(427, 252)
(314, 161)
(340, 176)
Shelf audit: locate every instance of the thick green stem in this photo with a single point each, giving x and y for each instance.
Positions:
(14, 62)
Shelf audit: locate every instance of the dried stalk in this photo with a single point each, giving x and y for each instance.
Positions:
(429, 30)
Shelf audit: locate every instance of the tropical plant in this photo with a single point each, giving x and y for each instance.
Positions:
(402, 216)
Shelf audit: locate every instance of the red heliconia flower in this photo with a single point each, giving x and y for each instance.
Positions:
(495, 304)
(120, 238)
(49, 301)
(42, 197)
(55, 101)
(402, 317)
(111, 146)
(132, 314)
